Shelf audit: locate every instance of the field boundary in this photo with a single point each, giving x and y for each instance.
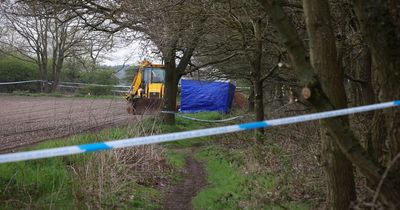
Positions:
(129, 142)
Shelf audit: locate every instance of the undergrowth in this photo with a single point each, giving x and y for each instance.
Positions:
(183, 124)
(233, 184)
(124, 178)
(242, 174)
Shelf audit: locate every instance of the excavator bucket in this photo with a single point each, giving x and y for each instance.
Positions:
(144, 106)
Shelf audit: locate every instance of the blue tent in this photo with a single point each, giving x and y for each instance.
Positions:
(198, 96)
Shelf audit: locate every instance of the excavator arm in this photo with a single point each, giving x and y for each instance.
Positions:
(136, 82)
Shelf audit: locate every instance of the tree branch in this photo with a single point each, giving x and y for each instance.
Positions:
(270, 72)
(208, 64)
(349, 77)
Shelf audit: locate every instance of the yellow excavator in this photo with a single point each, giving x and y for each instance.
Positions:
(147, 89)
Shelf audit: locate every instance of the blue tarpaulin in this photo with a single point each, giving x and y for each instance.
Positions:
(200, 96)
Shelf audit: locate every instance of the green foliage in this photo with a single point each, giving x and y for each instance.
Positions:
(129, 74)
(146, 198)
(236, 180)
(183, 124)
(176, 159)
(71, 71)
(52, 182)
(75, 71)
(44, 182)
(233, 186)
(102, 77)
(14, 69)
(225, 180)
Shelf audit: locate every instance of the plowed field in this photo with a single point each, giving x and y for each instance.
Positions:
(27, 120)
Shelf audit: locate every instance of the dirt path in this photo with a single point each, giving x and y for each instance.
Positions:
(180, 197)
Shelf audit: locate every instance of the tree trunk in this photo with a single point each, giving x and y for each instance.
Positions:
(376, 134)
(365, 74)
(44, 76)
(42, 71)
(55, 60)
(376, 137)
(251, 99)
(170, 90)
(57, 71)
(342, 135)
(259, 104)
(378, 21)
(256, 74)
(41, 76)
(339, 170)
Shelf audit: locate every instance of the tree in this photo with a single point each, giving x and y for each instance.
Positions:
(312, 92)
(177, 34)
(250, 37)
(92, 47)
(379, 23)
(323, 56)
(3, 29)
(31, 32)
(45, 35)
(174, 27)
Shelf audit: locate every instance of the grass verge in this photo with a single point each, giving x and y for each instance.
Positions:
(95, 180)
(176, 159)
(233, 186)
(240, 177)
(183, 124)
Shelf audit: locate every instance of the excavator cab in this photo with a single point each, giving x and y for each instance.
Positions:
(147, 89)
(153, 80)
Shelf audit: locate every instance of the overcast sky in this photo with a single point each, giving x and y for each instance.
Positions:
(128, 55)
(120, 55)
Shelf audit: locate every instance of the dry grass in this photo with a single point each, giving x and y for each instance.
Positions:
(108, 179)
(289, 157)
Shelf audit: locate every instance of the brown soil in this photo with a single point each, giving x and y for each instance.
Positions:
(240, 101)
(28, 120)
(180, 196)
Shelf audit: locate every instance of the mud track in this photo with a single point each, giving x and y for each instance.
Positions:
(28, 120)
(180, 197)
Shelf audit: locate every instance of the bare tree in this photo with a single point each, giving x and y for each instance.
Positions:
(313, 93)
(30, 33)
(174, 27)
(92, 48)
(3, 28)
(323, 54)
(242, 28)
(379, 24)
(45, 35)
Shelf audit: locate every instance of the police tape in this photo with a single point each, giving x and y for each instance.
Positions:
(201, 120)
(84, 148)
(209, 121)
(20, 82)
(64, 84)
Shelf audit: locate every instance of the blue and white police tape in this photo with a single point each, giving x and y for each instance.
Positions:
(69, 150)
(63, 84)
(20, 82)
(202, 120)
